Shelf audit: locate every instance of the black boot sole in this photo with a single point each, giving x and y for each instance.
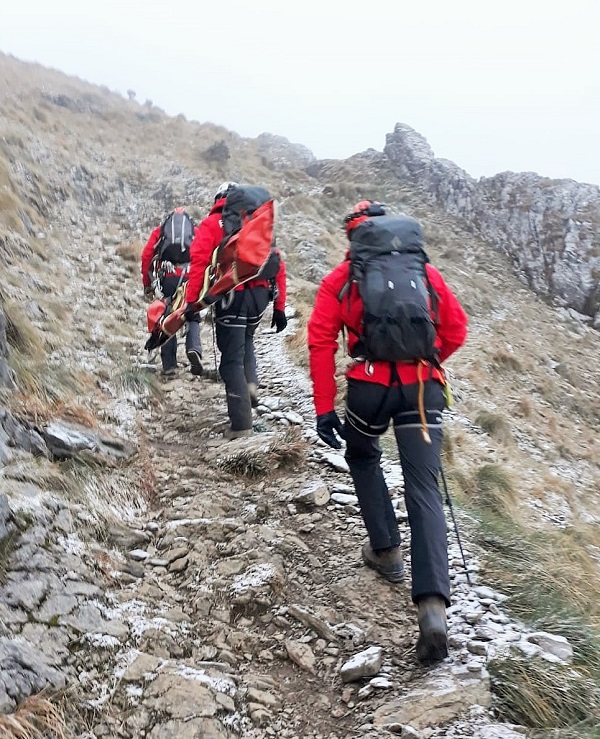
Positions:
(432, 647)
(195, 360)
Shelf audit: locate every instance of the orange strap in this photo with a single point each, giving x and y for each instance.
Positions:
(424, 429)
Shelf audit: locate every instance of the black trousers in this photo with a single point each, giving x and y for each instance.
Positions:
(168, 351)
(237, 316)
(369, 409)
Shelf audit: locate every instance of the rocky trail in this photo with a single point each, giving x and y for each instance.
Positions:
(260, 584)
(229, 599)
(170, 584)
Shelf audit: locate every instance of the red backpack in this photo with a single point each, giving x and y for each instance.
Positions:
(247, 250)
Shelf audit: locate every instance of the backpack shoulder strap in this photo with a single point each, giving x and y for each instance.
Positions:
(434, 297)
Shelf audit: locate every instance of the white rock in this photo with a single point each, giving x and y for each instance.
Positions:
(138, 554)
(341, 488)
(336, 461)
(364, 664)
(552, 644)
(344, 499)
(313, 493)
(380, 682)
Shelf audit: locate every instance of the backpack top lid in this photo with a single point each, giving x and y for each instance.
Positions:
(384, 235)
(361, 211)
(223, 189)
(241, 202)
(177, 215)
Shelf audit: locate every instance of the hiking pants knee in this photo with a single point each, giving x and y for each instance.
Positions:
(237, 317)
(369, 409)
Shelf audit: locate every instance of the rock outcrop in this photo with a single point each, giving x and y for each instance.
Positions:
(550, 229)
(281, 154)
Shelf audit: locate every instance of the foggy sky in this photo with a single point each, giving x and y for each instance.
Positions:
(513, 86)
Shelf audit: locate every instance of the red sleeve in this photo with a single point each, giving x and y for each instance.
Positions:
(207, 237)
(452, 320)
(281, 281)
(147, 254)
(324, 326)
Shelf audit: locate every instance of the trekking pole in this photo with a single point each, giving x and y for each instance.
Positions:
(451, 507)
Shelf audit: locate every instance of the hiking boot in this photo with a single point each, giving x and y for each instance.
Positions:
(387, 563)
(236, 434)
(211, 374)
(195, 360)
(169, 373)
(432, 644)
(253, 392)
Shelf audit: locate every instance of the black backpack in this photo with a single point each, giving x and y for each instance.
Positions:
(388, 264)
(241, 201)
(177, 233)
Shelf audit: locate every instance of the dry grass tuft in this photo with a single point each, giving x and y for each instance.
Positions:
(284, 454)
(110, 498)
(524, 407)
(40, 411)
(495, 425)
(21, 334)
(130, 252)
(489, 489)
(138, 380)
(297, 343)
(288, 452)
(505, 361)
(447, 448)
(547, 575)
(248, 463)
(48, 384)
(493, 488)
(540, 694)
(35, 718)
(7, 546)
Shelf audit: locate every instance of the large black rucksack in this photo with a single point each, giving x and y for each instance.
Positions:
(177, 233)
(388, 264)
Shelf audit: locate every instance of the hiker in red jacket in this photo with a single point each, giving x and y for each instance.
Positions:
(237, 315)
(165, 263)
(411, 394)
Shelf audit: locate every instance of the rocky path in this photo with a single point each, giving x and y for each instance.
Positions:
(248, 609)
(203, 588)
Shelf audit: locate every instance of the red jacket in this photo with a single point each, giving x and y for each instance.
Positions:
(147, 254)
(208, 236)
(330, 314)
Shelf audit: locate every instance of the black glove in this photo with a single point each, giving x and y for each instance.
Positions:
(148, 292)
(279, 320)
(327, 423)
(192, 311)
